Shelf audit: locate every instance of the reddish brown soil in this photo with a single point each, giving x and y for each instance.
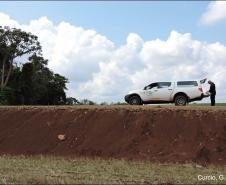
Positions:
(165, 134)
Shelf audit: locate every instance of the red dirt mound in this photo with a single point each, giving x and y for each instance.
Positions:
(158, 134)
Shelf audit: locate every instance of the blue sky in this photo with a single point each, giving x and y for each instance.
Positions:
(107, 48)
(150, 19)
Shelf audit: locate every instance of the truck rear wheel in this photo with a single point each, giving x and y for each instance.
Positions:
(180, 100)
(135, 100)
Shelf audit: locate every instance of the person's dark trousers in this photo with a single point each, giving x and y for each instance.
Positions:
(212, 99)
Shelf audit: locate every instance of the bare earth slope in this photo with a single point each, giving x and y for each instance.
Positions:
(164, 134)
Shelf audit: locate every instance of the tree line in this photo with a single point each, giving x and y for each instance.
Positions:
(25, 78)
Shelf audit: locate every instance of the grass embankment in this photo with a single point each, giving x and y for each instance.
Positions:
(56, 170)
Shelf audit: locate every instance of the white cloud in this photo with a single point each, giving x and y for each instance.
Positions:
(216, 11)
(100, 71)
(7, 21)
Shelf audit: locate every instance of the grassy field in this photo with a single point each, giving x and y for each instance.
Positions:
(57, 170)
(206, 104)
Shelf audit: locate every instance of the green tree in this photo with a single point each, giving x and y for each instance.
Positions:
(39, 85)
(87, 102)
(10, 94)
(14, 43)
(33, 82)
(56, 87)
(39, 78)
(71, 101)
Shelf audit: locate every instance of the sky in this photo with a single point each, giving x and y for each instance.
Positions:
(106, 48)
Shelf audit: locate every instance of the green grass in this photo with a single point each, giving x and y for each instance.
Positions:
(206, 104)
(57, 170)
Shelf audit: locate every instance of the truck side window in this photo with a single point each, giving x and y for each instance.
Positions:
(151, 86)
(187, 83)
(164, 84)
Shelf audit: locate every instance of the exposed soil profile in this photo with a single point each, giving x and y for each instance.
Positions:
(161, 134)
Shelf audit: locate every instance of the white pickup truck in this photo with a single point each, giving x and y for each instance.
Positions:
(179, 92)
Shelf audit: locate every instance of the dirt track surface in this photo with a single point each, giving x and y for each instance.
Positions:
(164, 134)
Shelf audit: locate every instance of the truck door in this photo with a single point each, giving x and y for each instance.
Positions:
(163, 91)
(149, 91)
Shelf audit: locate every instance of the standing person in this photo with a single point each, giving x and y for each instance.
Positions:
(212, 92)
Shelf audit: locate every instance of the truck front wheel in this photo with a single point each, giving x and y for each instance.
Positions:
(135, 100)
